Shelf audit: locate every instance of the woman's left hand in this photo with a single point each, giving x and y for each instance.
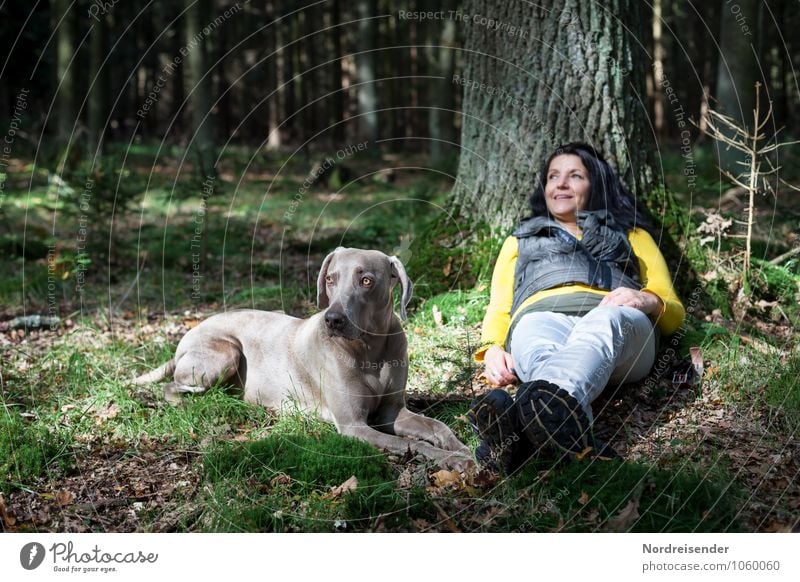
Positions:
(648, 303)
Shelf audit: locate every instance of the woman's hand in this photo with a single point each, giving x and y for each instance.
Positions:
(499, 367)
(648, 303)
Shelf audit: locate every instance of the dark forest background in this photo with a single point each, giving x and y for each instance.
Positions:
(297, 74)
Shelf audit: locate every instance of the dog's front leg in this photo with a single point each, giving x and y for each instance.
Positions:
(408, 423)
(460, 460)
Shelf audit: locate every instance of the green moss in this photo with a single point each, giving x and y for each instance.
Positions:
(449, 254)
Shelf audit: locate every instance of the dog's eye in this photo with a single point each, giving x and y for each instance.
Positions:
(366, 282)
(328, 280)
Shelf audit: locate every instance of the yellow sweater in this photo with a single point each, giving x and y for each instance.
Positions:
(653, 271)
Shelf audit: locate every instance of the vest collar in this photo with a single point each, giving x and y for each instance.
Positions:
(586, 219)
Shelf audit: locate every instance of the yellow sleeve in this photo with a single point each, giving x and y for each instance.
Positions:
(657, 280)
(498, 313)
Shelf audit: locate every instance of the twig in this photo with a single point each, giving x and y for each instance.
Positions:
(785, 256)
(110, 502)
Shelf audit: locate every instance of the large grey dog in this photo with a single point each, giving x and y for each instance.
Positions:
(348, 363)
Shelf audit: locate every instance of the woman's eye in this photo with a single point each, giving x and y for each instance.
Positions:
(366, 282)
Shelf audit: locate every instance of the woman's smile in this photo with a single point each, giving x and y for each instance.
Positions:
(567, 187)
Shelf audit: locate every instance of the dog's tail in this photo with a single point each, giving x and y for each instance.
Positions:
(158, 374)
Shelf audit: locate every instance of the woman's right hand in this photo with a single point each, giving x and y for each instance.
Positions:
(499, 367)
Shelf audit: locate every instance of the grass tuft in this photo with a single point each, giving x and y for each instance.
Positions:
(283, 483)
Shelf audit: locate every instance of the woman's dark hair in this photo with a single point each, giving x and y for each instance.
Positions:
(607, 190)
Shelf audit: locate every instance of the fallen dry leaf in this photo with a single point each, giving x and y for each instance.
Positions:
(281, 479)
(626, 518)
(350, 485)
(584, 498)
(406, 479)
(448, 267)
(108, 412)
(6, 518)
(445, 478)
(64, 497)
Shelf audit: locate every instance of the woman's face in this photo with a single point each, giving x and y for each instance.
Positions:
(567, 187)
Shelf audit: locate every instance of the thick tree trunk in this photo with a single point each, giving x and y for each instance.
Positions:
(553, 72)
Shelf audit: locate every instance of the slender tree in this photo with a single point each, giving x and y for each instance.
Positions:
(440, 53)
(98, 79)
(65, 49)
(335, 100)
(366, 67)
(274, 69)
(199, 81)
(738, 70)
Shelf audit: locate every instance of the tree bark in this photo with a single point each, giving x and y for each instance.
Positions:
(566, 71)
(286, 65)
(200, 86)
(65, 45)
(366, 67)
(440, 54)
(737, 71)
(98, 79)
(335, 101)
(274, 69)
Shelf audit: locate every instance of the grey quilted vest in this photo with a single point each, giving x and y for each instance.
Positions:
(549, 256)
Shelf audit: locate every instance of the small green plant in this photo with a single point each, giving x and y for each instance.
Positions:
(753, 179)
(28, 451)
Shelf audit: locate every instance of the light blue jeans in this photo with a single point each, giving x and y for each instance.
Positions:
(584, 354)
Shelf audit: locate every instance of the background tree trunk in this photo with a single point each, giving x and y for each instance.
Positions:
(65, 47)
(274, 70)
(366, 67)
(200, 86)
(335, 100)
(440, 54)
(98, 79)
(568, 71)
(737, 71)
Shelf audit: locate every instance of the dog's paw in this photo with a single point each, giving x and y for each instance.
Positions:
(461, 462)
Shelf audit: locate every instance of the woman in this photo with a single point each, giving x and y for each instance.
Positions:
(578, 292)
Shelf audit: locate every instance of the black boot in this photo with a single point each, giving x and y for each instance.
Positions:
(495, 420)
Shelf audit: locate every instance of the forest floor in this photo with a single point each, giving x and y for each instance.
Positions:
(81, 449)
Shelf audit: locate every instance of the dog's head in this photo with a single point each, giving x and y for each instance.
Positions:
(355, 286)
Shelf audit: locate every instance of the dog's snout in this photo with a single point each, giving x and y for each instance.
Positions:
(335, 320)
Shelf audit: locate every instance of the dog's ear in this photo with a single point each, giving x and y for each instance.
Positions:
(322, 288)
(406, 287)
